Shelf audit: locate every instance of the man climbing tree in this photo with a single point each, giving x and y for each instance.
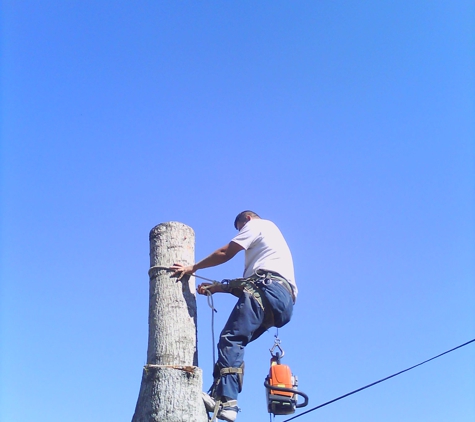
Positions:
(266, 295)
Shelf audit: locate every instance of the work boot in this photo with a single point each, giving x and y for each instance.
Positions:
(227, 410)
(209, 402)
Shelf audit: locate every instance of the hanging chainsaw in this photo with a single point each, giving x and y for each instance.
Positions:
(281, 385)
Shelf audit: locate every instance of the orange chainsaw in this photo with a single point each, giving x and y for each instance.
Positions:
(281, 385)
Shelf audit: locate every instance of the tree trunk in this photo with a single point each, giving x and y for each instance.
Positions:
(171, 382)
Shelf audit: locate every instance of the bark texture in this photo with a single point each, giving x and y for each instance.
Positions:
(171, 382)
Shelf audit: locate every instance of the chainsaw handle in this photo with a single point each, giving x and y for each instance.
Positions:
(288, 390)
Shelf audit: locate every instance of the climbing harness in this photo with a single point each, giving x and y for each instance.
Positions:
(281, 385)
(238, 285)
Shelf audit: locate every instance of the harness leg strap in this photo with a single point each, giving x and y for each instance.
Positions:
(239, 371)
(216, 410)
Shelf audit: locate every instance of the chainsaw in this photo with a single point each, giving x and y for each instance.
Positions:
(281, 385)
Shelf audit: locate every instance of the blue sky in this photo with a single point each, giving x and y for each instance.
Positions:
(349, 124)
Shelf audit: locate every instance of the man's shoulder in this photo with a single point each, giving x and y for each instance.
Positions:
(260, 222)
(265, 225)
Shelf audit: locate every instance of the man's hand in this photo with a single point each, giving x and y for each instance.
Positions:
(180, 270)
(203, 288)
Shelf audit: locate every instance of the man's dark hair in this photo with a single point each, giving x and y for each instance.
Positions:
(242, 216)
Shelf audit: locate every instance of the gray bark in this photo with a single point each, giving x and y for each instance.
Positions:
(171, 382)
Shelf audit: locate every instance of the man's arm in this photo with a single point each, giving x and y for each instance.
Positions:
(218, 257)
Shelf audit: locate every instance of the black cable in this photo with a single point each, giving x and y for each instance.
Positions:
(377, 382)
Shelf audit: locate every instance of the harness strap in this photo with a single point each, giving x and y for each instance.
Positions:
(216, 410)
(218, 373)
(251, 285)
(226, 371)
(276, 277)
(238, 285)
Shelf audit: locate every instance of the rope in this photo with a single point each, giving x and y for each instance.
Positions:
(209, 297)
(158, 267)
(204, 278)
(377, 382)
(189, 369)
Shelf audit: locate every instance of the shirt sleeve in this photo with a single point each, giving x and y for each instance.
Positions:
(246, 236)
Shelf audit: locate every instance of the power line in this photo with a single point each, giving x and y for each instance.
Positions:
(377, 382)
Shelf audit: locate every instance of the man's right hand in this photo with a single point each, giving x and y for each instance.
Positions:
(180, 270)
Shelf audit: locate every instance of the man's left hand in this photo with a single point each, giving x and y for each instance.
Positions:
(205, 288)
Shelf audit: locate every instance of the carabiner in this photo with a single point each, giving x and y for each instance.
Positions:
(277, 355)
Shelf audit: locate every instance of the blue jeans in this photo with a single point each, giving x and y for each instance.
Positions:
(245, 324)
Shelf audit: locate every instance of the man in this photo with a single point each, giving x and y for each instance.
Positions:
(266, 294)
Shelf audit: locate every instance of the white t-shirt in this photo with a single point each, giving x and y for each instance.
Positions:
(265, 249)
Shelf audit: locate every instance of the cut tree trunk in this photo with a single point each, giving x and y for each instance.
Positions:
(171, 382)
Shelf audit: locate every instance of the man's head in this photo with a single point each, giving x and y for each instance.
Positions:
(243, 217)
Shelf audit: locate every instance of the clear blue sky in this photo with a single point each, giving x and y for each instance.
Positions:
(350, 124)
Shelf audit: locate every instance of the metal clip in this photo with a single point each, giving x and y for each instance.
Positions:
(277, 354)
